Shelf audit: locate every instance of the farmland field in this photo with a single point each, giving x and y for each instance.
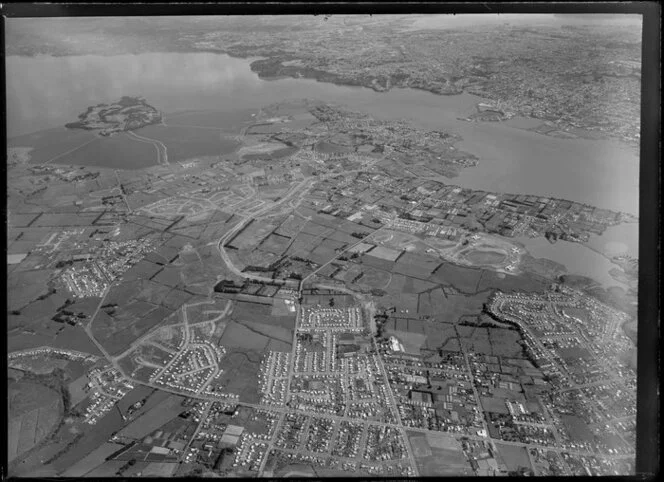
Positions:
(92, 460)
(154, 418)
(450, 308)
(505, 343)
(144, 269)
(240, 374)
(464, 279)
(252, 235)
(291, 226)
(476, 340)
(414, 265)
(240, 336)
(33, 412)
(371, 277)
(271, 331)
(262, 313)
(91, 439)
(76, 390)
(316, 229)
(107, 469)
(275, 243)
(117, 333)
(524, 282)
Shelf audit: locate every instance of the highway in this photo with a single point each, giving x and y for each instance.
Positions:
(161, 159)
(297, 189)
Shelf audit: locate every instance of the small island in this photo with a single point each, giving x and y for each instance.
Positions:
(129, 113)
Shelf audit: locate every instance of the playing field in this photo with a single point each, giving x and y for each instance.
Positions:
(382, 252)
(439, 454)
(514, 457)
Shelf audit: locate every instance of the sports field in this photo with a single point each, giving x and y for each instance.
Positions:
(439, 454)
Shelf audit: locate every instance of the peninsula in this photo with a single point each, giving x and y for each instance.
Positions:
(127, 114)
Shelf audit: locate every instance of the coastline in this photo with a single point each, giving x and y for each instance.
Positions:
(336, 79)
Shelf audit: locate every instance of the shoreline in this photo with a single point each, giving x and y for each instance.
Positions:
(252, 59)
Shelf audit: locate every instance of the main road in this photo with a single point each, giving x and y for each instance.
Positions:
(395, 408)
(298, 188)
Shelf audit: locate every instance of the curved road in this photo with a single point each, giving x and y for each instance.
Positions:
(157, 144)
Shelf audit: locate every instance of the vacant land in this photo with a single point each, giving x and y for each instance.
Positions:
(495, 405)
(240, 375)
(577, 428)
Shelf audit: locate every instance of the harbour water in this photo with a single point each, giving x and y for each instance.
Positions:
(577, 258)
(617, 240)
